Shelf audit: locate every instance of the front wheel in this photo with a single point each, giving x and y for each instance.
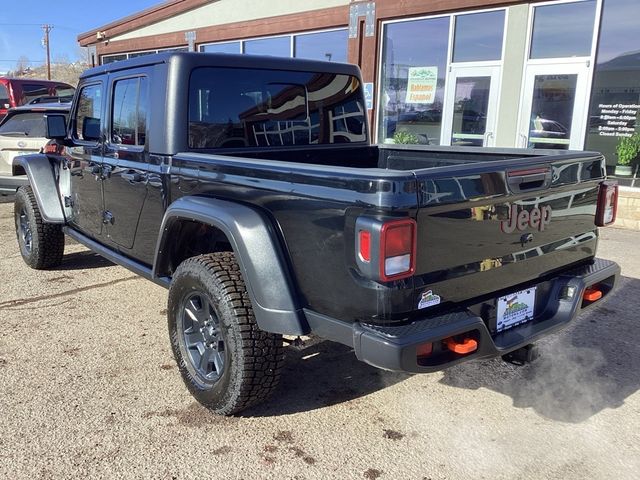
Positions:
(226, 361)
(41, 243)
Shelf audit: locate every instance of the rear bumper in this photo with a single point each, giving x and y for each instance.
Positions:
(396, 348)
(9, 184)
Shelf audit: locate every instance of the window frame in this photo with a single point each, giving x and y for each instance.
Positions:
(551, 60)
(147, 52)
(73, 126)
(291, 36)
(589, 60)
(112, 88)
(375, 130)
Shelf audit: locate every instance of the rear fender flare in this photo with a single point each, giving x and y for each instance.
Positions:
(258, 252)
(44, 184)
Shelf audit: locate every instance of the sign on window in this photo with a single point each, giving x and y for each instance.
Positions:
(421, 85)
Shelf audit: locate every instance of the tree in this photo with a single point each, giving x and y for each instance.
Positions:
(22, 66)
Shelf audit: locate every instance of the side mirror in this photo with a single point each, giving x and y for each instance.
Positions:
(56, 127)
(91, 129)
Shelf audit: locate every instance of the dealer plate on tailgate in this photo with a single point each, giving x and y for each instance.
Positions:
(515, 308)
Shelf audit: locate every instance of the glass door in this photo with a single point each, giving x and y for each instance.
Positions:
(554, 106)
(471, 105)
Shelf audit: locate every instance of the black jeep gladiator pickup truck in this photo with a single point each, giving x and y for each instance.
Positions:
(247, 186)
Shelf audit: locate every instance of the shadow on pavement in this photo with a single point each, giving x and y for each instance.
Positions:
(82, 260)
(594, 365)
(321, 375)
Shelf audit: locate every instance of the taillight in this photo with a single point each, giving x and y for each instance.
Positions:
(364, 248)
(607, 204)
(397, 249)
(386, 250)
(53, 148)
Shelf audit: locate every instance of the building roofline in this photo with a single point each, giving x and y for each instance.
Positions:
(140, 19)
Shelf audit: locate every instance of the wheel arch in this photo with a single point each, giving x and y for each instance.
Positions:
(253, 239)
(44, 185)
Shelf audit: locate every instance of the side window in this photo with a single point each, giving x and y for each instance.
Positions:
(129, 112)
(32, 91)
(87, 124)
(65, 93)
(4, 97)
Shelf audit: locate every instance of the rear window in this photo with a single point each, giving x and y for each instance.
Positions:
(27, 124)
(236, 107)
(32, 91)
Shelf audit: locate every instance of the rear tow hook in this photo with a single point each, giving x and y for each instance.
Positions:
(523, 355)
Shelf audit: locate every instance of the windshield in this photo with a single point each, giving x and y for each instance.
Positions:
(236, 107)
(28, 124)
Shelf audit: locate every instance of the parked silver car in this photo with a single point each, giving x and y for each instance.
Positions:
(22, 131)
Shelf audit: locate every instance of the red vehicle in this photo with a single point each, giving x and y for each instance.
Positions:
(20, 91)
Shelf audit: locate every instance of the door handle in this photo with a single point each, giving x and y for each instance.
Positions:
(537, 178)
(523, 140)
(487, 136)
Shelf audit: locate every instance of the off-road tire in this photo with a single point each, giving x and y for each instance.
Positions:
(44, 246)
(253, 359)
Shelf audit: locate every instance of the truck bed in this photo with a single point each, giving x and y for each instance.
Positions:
(459, 198)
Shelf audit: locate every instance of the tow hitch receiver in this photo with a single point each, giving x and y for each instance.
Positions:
(592, 294)
(523, 355)
(464, 347)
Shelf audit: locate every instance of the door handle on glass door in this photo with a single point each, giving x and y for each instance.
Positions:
(523, 140)
(487, 136)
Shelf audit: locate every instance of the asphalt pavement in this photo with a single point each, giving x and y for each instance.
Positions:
(89, 389)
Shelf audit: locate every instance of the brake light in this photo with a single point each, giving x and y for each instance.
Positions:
(607, 204)
(364, 245)
(53, 148)
(386, 250)
(397, 249)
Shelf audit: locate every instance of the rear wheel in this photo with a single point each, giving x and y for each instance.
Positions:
(41, 243)
(226, 361)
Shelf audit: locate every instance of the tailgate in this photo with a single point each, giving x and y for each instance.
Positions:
(486, 227)
(11, 147)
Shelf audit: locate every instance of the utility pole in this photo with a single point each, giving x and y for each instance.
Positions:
(45, 40)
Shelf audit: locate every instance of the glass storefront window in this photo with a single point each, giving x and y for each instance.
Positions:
(563, 30)
(141, 54)
(331, 46)
(552, 111)
(478, 37)
(113, 58)
(414, 69)
(276, 46)
(471, 104)
(229, 47)
(615, 99)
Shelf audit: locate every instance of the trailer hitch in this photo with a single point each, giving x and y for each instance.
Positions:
(523, 355)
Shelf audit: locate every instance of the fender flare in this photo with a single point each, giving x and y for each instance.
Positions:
(259, 254)
(44, 185)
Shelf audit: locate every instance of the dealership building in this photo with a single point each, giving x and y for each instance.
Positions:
(561, 74)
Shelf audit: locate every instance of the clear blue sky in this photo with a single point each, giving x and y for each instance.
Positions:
(21, 21)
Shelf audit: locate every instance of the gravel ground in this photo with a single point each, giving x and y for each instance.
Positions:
(89, 389)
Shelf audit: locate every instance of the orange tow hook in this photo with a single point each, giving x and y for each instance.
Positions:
(592, 294)
(468, 345)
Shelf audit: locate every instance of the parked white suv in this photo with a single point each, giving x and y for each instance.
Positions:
(22, 131)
